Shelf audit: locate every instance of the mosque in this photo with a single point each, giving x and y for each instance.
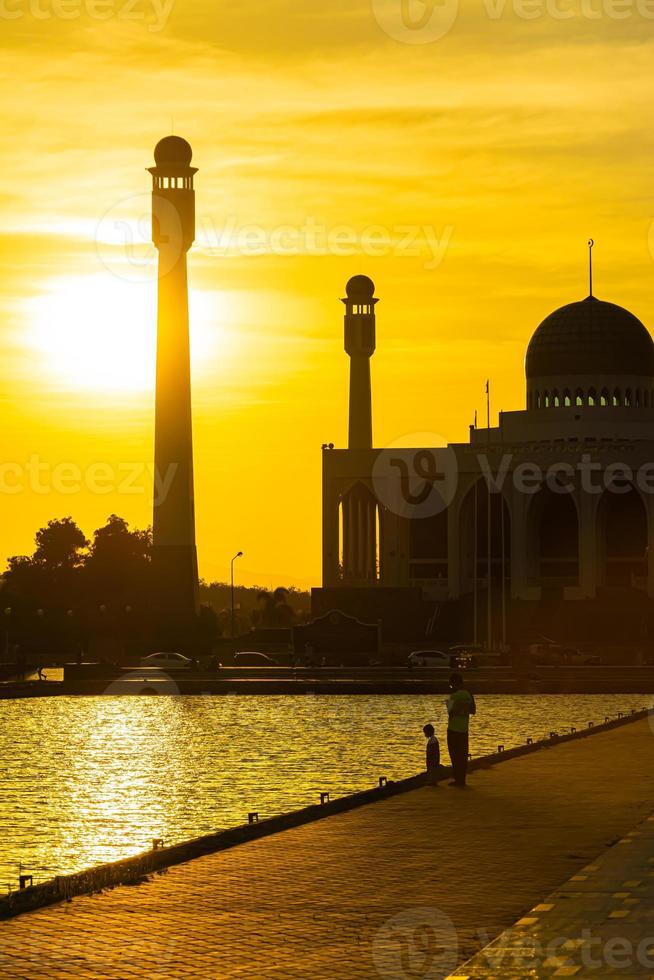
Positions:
(539, 526)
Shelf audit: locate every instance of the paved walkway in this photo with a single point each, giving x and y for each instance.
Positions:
(599, 924)
(403, 889)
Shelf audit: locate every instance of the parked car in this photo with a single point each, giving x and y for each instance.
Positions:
(434, 659)
(250, 658)
(169, 661)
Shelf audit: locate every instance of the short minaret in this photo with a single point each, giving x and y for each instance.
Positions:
(173, 231)
(360, 342)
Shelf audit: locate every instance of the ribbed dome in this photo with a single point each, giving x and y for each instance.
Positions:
(590, 337)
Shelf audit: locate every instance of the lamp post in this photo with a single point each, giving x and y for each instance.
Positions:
(238, 555)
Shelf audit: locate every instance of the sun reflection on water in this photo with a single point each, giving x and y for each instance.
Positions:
(87, 780)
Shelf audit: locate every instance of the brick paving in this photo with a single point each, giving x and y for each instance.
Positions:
(401, 889)
(600, 923)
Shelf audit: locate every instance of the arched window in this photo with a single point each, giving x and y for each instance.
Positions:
(567, 400)
(622, 526)
(554, 533)
(476, 508)
(605, 398)
(579, 398)
(360, 535)
(617, 398)
(638, 398)
(546, 399)
(627, 398)
(592, 397)
(555, 399)
(538, 399)
(428, 547)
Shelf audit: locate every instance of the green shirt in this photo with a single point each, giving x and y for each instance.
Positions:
(462, 705)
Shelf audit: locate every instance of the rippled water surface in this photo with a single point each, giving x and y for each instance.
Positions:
(86, 780)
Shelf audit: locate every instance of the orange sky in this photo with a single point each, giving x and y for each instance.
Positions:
(325, 142)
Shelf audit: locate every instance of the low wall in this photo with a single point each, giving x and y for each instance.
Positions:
(134, 870)
(349, 681)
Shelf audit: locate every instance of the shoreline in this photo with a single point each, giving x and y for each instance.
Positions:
(379, 681)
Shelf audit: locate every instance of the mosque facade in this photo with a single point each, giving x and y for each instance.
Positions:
(541, 525)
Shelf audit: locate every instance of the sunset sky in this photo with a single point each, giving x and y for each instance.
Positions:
(326, 135)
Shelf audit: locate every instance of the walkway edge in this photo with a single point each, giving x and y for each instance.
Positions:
(136, 869)
(528, 928)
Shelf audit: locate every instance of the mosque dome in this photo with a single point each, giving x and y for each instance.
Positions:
(360, 288)
(590, 337)
(173, 150)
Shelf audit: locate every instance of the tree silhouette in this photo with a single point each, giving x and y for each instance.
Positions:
(275, 610)
(59, 544)
(51, 576)
(71, 590)
(118, 563)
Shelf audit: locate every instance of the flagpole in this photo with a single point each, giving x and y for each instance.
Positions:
(503, 575)
(475, 558)
(489, 610)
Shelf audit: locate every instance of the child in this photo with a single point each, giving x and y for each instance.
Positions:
(433, 755)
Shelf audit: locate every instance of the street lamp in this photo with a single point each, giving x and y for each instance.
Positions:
(238, 555)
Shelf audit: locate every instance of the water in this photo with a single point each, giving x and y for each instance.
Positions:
(87, 780)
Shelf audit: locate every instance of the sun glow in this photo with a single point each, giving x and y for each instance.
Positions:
(99, 333)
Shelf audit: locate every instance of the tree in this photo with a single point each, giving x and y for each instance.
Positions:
(44, 586)
(59, 545)
(276, 611)
(26, 581)
(51, 576)
(70, 590)
(119, 562)
(116, 544)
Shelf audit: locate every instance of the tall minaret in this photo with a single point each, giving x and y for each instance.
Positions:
(173, 231)
(360, 345)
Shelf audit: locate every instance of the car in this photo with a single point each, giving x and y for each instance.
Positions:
(169, 661)
(250, 658)
(434, 659)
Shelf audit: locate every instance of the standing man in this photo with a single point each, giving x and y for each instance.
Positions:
(460, 705)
